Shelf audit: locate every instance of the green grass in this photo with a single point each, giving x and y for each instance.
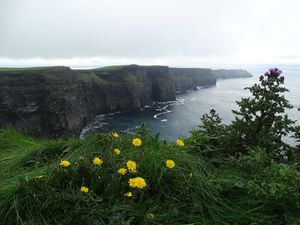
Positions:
(196, 191)
(27, 69)
(89, 76)
(110, 68)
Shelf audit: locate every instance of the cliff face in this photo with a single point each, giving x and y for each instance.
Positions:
(39, 101)
(56, 101)
(190, 78)
(224, 74)
(135, 86)
(59, 101)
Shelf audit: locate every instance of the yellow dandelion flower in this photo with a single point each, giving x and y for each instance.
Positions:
(131, 182)
(131, 165)
(140, 182)
(179, 143)
(122, 171)
(115, 135)
(170, 164)
(117, 151)
(137, 182)
(128, 194)
(64, 163)
(97, 161)
(137, 142)
(84, 189)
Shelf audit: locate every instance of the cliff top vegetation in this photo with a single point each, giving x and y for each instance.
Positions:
(241, 173)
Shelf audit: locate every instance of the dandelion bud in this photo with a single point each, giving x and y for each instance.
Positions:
(150, 216)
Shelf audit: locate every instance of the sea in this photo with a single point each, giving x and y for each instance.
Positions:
(176, 119)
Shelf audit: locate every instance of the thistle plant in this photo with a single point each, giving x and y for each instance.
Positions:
(261, 119)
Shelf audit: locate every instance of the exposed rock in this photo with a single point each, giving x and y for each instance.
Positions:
(57, 101)
(191, 78)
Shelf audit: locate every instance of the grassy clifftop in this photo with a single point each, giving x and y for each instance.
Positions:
(36, 188)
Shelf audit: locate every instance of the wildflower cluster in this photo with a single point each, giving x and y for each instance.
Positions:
(129, 167)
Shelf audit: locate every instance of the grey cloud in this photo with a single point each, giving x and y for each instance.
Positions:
(214, 29)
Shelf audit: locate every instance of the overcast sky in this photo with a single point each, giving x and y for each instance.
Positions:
(200, 33)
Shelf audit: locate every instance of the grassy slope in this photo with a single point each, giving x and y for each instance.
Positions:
(24, 159)
(110, 68)
(169, 197)
(196, 191)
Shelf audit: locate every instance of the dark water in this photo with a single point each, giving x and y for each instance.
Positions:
(175, 119)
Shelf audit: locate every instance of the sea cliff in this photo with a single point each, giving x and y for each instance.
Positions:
(58, 101)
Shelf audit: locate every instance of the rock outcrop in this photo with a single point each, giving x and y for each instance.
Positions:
(57, 101)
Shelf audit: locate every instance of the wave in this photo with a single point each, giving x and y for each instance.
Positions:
(163, 107)
(159, 114)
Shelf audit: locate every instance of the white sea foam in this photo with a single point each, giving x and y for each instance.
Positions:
(164, 111)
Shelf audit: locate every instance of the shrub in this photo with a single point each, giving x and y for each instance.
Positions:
(260, 121)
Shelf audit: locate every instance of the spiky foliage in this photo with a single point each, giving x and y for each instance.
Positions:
(261, 118)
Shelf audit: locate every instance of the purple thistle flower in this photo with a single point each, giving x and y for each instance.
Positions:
(274, 72)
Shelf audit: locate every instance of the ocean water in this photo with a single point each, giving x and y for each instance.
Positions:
(175, 119)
